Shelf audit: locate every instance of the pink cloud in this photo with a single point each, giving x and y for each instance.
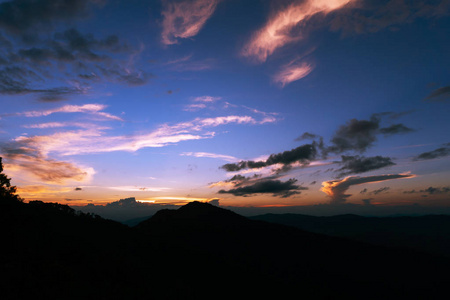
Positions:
(277, 32)
(94, 140)
(292, 72)
(94, 109)
(185, 19)
(211, 155)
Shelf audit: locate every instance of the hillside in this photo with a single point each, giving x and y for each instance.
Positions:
(429, 233)
(196, 251)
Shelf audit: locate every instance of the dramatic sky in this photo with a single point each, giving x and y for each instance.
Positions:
(252, 103)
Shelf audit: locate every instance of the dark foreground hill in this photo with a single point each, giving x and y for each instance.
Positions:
(429, 233)
(198, 251)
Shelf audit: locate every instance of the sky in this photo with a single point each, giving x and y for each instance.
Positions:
(256, 103)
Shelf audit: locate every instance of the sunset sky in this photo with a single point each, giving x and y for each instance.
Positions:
(253, 103)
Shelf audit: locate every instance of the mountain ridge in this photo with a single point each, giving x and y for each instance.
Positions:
(196, 251)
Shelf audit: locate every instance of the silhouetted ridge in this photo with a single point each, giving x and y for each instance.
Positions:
(198, 251)
(193, 216)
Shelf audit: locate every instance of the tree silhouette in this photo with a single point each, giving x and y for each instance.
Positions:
(7, 191)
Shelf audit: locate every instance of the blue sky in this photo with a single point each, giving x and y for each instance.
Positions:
(254, 103)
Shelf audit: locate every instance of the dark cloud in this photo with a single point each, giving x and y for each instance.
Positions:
(440, 94)
(430, 190)
(359, 164)
(307, 136)
(19, 16)
(440, 152)
(356, 135)
(359, 135)
(380, 190)
(78, 189)
(17, 80)
(274, 187)
(67, 56)
(396, 129)
(336, 189)
(303, 154)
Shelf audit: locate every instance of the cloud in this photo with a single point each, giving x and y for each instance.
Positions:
(210, 155)
(69, 61)
(275, 187)
(336, 189)
(431, 190)
(206, 99)
(440, 152)
(185, 19)
(37, 190)
(441, 94)
(280, 27)
(359, 164)
(93, 109)
(303, 154)
(65, 124)
(357, 135)
(201, 103)
(307, 136)
(380, 190)
(239, 180)
(293, 71)
(130, 188)
(93, 140)
(396, 129)
(46, 169)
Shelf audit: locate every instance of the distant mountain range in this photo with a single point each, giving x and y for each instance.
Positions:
(429, 234)
(198, 251)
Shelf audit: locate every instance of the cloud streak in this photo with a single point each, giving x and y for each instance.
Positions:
(210, 155)
(437, 153)
(93, 109)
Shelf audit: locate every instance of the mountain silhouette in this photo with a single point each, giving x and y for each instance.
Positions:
(197, 251)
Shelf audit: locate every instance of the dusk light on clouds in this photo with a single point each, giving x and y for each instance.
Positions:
(259, 103)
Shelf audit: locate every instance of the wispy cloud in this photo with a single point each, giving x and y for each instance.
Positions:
(210, 155)
(96, 141)
(278, 31)
(293, 71)
(93, 109)
(185, 19)
(138, 189)
(206, 99)
(201, 103)
(441, 94)
(65, 124)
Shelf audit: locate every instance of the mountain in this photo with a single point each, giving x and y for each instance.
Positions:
(429, 233)
(197, 251)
